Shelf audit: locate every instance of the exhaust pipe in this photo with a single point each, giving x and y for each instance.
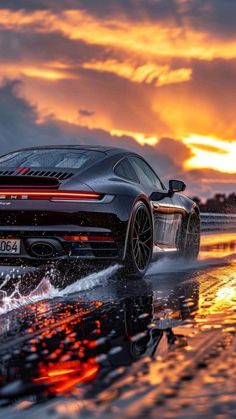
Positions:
(42, 249)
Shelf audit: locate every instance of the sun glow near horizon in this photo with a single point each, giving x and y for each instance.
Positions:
(211, 153)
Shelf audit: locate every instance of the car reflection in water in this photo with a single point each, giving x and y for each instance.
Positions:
(63, 344)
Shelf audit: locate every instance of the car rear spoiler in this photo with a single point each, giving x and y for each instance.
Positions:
(41, 182)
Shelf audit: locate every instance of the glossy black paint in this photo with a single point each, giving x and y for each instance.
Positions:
(30, 220)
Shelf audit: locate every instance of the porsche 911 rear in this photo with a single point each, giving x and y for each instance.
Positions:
(47, 215)
(51, 224)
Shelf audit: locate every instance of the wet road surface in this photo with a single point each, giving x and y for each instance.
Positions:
(110, 347)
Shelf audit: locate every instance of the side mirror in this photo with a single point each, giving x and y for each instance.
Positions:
(176, 186)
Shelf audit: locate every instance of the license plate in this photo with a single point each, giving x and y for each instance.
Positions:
(9, 246)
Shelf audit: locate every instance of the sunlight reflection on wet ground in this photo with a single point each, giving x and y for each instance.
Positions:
(122, 348)
(217, 245)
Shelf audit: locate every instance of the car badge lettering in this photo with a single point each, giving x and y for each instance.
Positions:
(5, 203)
(15, 197)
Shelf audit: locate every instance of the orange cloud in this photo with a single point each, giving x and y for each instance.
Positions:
(142, 37)
(146, 73)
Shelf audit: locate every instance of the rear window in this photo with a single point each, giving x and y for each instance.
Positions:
(52, 158)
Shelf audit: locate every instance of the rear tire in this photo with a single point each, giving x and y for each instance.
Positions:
(140, 242)
(190, 237)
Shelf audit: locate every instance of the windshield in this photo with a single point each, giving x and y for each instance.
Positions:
(51, 158)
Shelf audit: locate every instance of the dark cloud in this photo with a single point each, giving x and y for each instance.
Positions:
(215, 16)
(132, 8)
(38, 4)
(40, 47)
(19, 128)
(86, 112)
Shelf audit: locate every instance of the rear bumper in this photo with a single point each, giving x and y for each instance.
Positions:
(51, 222)
(68, 242)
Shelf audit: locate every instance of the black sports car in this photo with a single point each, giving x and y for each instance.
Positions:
(91, 204)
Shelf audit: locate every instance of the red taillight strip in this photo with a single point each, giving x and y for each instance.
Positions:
(60, 195)
(89, 238)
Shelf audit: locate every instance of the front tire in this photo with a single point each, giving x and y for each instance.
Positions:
(140, 241)
(190, 237)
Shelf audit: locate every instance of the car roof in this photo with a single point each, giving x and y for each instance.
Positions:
(104, 149)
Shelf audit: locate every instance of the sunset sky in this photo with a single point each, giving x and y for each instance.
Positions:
(156, 76)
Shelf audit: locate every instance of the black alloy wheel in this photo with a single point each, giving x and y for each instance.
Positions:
(140, 242)
(192, 237)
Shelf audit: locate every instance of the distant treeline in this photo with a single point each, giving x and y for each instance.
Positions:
(220, 203)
